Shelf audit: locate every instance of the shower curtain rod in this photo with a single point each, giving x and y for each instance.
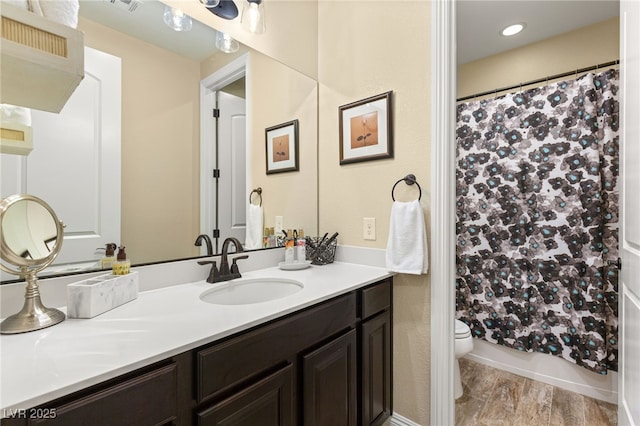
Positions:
(541, 80)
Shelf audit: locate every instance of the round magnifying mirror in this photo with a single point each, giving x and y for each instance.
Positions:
(30, 240)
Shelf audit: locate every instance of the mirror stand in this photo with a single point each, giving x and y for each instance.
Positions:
(33, 315)
(30, 239)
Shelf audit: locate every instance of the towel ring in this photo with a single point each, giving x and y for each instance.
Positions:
(258, 191)
(409, 179)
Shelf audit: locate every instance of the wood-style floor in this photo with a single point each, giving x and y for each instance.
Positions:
(495, 397)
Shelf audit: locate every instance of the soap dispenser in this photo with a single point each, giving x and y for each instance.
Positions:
(122, 264)
(109, 256)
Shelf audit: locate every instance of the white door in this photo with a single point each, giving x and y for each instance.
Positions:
(75, 163)
(629, 286)
(232, 153)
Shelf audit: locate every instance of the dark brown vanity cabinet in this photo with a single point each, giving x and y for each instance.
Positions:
(329, 383)
(147, 396)
(326, 365)
(376, 353)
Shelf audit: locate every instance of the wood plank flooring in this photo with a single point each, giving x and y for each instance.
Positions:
(493, 397)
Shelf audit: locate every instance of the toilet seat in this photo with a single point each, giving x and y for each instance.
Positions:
(462, 330)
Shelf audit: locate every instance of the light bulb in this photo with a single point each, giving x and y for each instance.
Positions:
(176, 19)
(512, 29)
(226, 43)
(252, 18)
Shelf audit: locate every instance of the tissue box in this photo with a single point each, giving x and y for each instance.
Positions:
(88, 298)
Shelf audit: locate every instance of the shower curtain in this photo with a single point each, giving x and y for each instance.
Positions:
(537, 220)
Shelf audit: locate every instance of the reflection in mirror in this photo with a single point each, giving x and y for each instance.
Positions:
(124, 162)
(29, 230)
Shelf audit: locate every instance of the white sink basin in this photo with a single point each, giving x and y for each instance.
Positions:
(250, 290)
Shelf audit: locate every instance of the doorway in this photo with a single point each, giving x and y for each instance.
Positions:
(223, 153)
(443, 85)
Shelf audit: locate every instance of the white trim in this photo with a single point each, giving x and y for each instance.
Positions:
(398, 420)
(548, 369)
(443, 95)
(208, 87)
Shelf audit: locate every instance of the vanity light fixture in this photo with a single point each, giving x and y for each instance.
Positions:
(513, 29)
(225, 9)
(226, 43)
(176, 19)
(252, 18)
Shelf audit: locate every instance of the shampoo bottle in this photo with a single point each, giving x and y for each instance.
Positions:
(122, 264)
(301, 247)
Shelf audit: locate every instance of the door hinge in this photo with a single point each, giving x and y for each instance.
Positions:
(216, 113)
(216, 173)
(216, 233)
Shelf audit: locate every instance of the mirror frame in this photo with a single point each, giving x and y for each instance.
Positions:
(7, 254)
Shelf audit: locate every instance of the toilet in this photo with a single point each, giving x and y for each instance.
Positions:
(463, 345)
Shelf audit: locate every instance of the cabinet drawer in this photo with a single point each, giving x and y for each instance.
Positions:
(147, 399)
(375, 299)
(237, 360)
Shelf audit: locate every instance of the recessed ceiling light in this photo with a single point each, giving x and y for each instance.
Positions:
(513, 29)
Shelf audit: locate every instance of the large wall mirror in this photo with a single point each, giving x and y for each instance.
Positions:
(125, 162)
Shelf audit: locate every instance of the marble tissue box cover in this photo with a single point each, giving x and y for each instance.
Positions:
(88, 298)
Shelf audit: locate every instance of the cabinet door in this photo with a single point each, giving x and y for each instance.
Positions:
(330, 383)
(269, 402)
(376, 369)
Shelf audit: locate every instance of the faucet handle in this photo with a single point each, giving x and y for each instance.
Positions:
(214, 275)
(235, 271)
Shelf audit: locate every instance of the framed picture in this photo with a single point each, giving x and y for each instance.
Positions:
(282, 147)
(366, 130)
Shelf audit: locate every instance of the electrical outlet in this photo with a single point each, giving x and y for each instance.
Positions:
(369, 228)
(279, 225)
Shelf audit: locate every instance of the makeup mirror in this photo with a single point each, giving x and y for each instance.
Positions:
(30, 239)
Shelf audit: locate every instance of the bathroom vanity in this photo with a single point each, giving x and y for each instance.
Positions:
(322, 356)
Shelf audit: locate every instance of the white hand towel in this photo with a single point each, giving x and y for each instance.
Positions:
(407, 251)
(62, 11)
(254, 227)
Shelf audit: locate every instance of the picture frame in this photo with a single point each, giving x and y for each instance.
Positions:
(282, 147)
(366, 131)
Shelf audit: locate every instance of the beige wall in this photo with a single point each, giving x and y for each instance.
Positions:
(291, 36)
(577, 49)
(160, 145)
(277, 94)
(364, 49)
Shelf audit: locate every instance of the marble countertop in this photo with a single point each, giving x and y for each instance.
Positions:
(40, 366)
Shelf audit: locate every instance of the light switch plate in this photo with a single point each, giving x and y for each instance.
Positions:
(279, 225)
(369, 228)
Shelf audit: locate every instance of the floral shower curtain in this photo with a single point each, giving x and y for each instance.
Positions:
(537, 220)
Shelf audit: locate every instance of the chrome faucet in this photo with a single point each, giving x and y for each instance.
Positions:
(225, 273)
(207, 240)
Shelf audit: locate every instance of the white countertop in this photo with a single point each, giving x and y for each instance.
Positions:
(40, 366)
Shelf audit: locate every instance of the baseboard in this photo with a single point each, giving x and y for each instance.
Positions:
(398, 420)
(547, 369)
